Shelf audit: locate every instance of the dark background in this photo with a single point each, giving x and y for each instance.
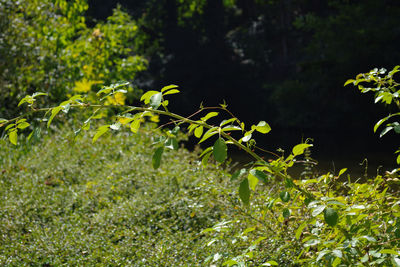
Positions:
(284, 62)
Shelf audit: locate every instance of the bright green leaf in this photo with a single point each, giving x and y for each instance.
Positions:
(209, 116)
(253, 181)
(342, 171)
(146, 96)
(23, 125)
(263, 127)
(135, 125)
(13, 136)
(299, 149)
(198, 131)
(169, 87)
(389, 251)
(208, 134)
(170, 92)
(319, 209)
(54, 112)
(100, 131)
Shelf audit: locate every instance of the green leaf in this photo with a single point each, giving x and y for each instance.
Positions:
(253, 181)
(224, 122)
(198, 131)
(38, 94)
(270, 263)
(237, 174)
(263, 127)
(379, 123)
(171, 143)
(205, 158)
(389, 251)
(135, 125)
(220, 150)
(155, 100)
(208, 134)
(3, 120)
(23, 125)
(398, 159)
(300, 230)
(146, 96)
(13, 136)
(348, 82)
(156, 160)
(260, 175)
(207, 150)
(9, 126)
(285, 196)
(331, 216)
(246, 137)
(54, 112)
(231, 128)
(169, 87)
(318, 210)
(244, 192)
(286, 213)
(209, 115)
(170, 92)
(342, 171)
(385, 131)
(100, 131)
(299, 149)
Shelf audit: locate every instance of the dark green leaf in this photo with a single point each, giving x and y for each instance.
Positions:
(220, 150)
(260, 175)
(286, 213)
(156, 160)
(171, 143)
(285, 196)
(244, 192)
(331, 216)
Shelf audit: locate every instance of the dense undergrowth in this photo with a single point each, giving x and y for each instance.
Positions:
(68, 203)
(79, 204)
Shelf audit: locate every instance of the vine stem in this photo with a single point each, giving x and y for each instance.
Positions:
(179, 118)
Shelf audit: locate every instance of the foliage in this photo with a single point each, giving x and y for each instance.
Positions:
(47, 46)
(317, 221)
(386, 91)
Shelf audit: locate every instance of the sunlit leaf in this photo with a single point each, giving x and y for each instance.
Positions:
(23, 125)
(299, 149)
(100, 131)
(198, 131)
(212, 131)
(263, 127)
(155, 100)
(54, 112)
(146, 96)
(299, 230)
(209, 115)
(173, 91)
(253, 181)
(13, 136)
(135, 125)
(169, 87)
